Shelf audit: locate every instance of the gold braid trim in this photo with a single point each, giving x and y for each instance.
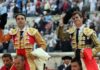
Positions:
(71, 30)
(87, 31)
(31, 31)
(13, 31)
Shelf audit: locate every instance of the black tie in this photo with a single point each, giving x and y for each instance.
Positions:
(77, 33)
(21, 35)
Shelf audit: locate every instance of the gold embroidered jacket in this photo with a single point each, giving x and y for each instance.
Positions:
(87, 38)
(30, 36)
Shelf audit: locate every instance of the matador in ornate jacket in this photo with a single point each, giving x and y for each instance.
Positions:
(23, 38)
(86, 37)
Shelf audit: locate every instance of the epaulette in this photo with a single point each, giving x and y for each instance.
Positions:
(13, 31)
(71, 30)
(31, 31)
(87, 31)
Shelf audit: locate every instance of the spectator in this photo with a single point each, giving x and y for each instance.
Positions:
(98, 5)
(16, 10)
(3, 8)
(65, 6)
(18, 3)
(66, 63)
(11, 8)
(24, 11)
(34, 25)
(51, 41)
(8, 61)
(47, 16)
(53, 9)
(38, 7)
(76, 64)
(29, 9)
(92, 5)
(42, 24)
(19, 62)
(47, 6)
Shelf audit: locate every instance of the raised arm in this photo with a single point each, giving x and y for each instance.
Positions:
(3, 21)
(4, 38)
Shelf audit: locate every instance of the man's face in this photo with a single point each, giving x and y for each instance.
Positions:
(75, 66)
(7, 61)
(67, 61)
(18, 64)
(20, 19)
(77, 19)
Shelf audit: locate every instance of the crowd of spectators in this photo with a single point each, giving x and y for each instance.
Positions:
(37, 7)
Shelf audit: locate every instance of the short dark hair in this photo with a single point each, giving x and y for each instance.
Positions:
(66, 57)
(77, 12)
(20, 56)
(78, 61)
(7, 55)
(20, 14)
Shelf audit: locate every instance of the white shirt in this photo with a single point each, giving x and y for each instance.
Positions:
(81, 29)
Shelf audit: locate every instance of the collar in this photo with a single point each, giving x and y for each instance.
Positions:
(24, 29)
(65, 65)
(81, 28)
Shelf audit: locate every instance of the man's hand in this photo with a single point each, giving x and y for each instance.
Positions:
(63, 15)
(61, 23)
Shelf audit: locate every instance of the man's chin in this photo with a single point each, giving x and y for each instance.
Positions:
(8, 65)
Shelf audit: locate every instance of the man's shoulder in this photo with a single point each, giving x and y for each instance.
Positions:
(71, 30)
(3, 68)
(13, 31)
(32, 31)
(61, 66)
(87, 31)
(31, 28)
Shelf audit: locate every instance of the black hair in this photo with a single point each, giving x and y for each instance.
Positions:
(69, 14)
(66, 57)
(7, 55)
(20, 56)
(20, 14)
(78, 61)
(77, 12)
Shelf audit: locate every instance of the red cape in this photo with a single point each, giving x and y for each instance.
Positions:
(89, 60)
